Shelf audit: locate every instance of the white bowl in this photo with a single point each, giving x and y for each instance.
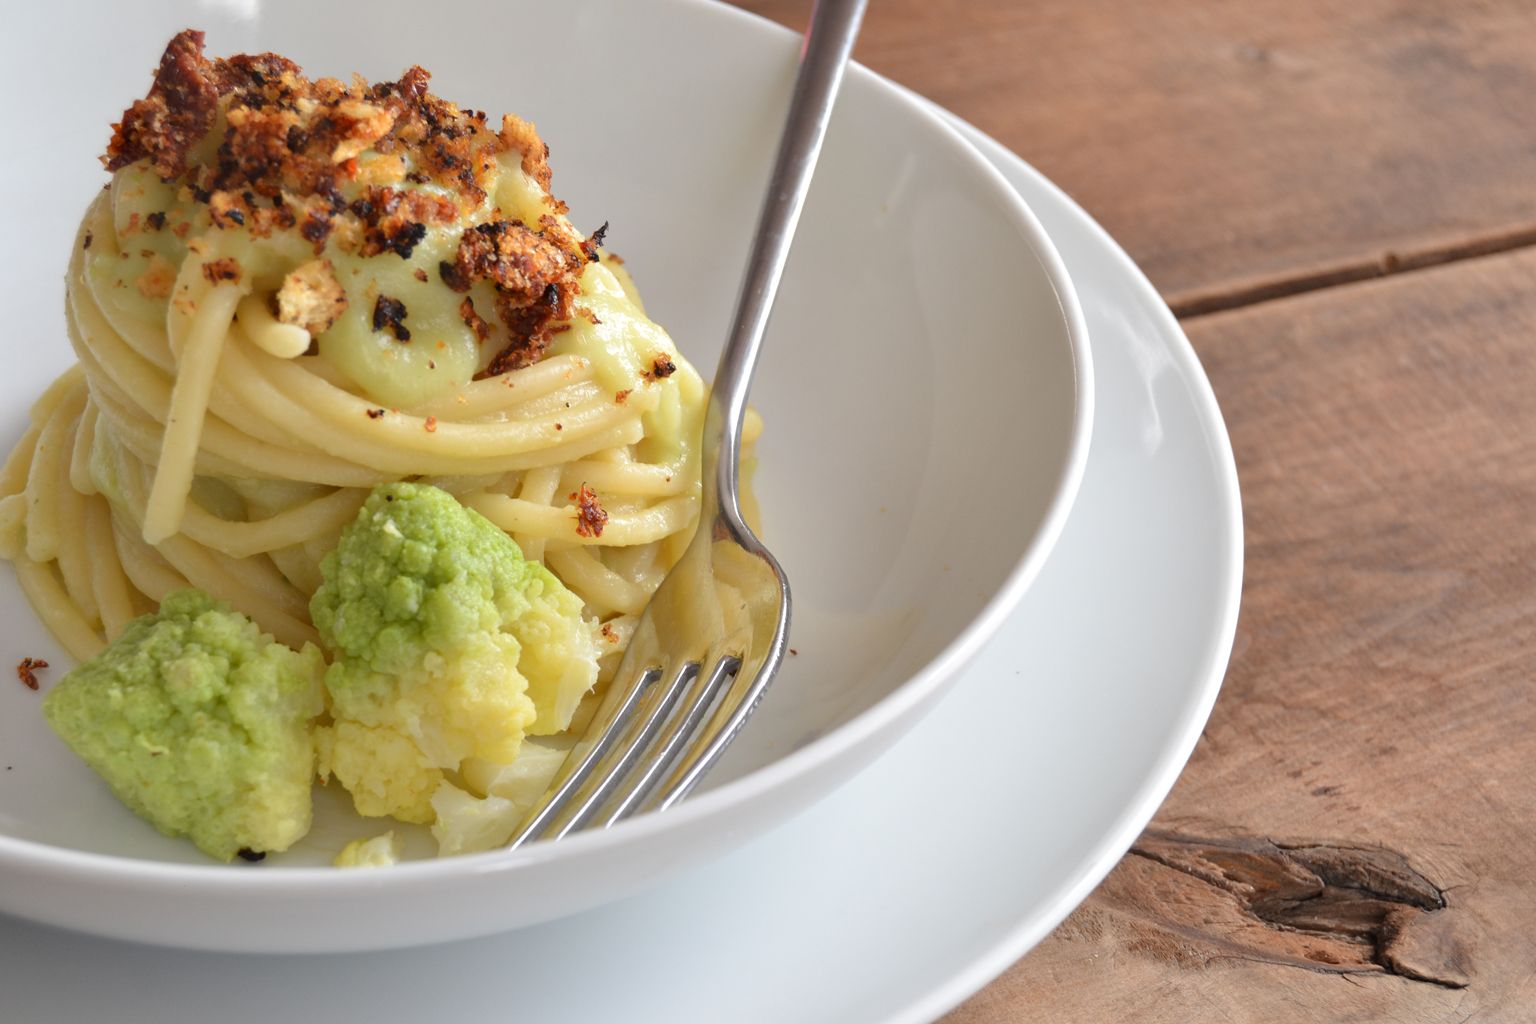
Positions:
(926, 387)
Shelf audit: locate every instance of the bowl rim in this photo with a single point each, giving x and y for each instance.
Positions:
(27, 856)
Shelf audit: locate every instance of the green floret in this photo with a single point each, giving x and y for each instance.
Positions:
(448, 645)
(200, 723)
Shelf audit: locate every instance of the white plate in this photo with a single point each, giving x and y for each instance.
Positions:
(926, 876)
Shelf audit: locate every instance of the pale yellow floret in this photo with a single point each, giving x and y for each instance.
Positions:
(468, 822)
(379, 852)
(384, 771)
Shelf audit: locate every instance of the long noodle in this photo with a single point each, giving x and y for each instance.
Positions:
(208, 450)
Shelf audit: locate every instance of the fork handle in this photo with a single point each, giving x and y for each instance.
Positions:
(824, 55)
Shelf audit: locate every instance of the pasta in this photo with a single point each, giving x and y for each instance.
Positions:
(265, 330)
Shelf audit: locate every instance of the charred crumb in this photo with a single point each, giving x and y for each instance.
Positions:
(26, 671)
(374, 414)
(793, 651)
(89, 238)
(594, 242)
(222, 270)
(389, 314)
(452, 276)
(254, 856)
(316, 230)
(402, 242)
(155, 221)
(591, 517)
(662, 367)
(431, 424)
(419, 274)
(620, 397)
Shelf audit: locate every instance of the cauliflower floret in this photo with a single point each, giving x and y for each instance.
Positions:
(386, 773)
(525, 779)
(200, 723)
(448, 646)
(467, 823)
(378, 852)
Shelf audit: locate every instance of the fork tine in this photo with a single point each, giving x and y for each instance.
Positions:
(730, 715)
(612, 715)
(706, 688)
(605, 777)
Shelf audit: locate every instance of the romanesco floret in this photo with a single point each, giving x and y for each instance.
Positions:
(448, 645)
(200, 723)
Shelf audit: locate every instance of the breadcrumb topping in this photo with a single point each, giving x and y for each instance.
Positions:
(367, 167)
(221, 270)
(535, 276)
(311, 297)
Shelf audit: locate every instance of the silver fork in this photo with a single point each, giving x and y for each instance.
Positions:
(714, 633)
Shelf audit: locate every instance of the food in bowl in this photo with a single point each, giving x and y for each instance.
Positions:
(292, 296)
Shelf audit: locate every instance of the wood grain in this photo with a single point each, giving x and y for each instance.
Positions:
(1245, 150)
(1355, 837)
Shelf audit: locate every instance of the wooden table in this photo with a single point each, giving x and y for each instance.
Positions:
(1339, 201)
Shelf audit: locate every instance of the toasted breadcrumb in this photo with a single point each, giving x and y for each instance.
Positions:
(473, 320)
(311, 297)
(591, 517)
(222, 270)
(26, 671)
(158, 278)
(285, 147)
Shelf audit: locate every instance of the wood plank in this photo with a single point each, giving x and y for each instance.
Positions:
(1244, 149)
(1355, 837)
